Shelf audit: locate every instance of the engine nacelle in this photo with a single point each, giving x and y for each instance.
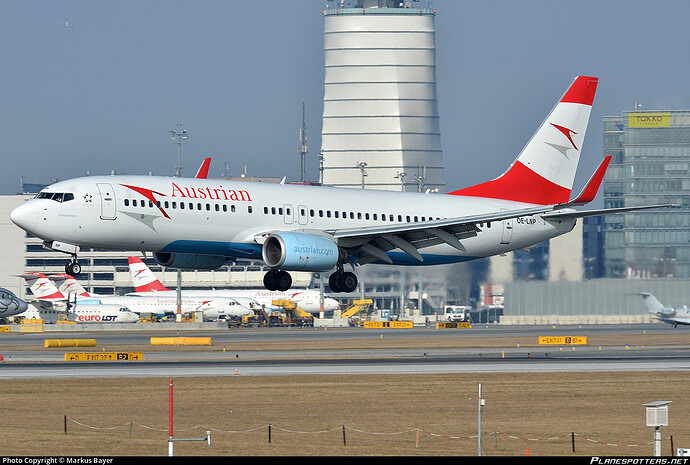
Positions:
(300, 252)
(189, 261)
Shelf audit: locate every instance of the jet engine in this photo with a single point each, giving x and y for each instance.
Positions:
(301, 252)
(189, 261)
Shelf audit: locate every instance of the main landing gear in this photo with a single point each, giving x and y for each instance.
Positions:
(277, 280)
(342, 281)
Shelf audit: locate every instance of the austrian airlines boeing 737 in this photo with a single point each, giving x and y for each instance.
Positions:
(198, 223)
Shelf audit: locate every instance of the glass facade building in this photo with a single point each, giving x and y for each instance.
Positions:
(650, 165)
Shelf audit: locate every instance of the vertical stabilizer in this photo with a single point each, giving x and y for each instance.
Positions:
(544, 171)
(42, 287)
(68, 285)
(653, 304)
(143, 278)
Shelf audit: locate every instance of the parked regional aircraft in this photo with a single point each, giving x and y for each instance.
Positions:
(670, 315)
(46, 291)
(308, 300)
(10, 304)
(82, 313)
(199, 223)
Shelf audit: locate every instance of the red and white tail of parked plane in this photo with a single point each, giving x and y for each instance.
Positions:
(201, 223)
(143, 278)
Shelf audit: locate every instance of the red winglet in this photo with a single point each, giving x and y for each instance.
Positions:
(592, 187)
(203, 169)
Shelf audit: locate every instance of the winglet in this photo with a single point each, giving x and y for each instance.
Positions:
(592, 187)
(202, 173)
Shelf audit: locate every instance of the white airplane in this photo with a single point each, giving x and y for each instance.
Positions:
(83, 313)
(670, 315)
(46, 291)
(10, 304)
(198, 223)
(308, 300)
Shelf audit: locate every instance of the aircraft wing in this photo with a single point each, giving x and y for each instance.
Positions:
(567, 214)
(371, 243)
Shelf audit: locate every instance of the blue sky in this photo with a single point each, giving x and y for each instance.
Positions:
(104, 94)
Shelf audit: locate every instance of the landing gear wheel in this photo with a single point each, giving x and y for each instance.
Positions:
(347, 282)
(73, 268)
(269, 280)
(283, 280)
(342, 281)
(333, 282)
(277, 280)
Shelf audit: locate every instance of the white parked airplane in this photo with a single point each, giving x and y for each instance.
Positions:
(670, 315)
(46, 291)
(198, 223)
(82, 313)
(308, 300)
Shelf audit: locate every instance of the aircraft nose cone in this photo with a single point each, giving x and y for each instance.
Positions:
(22, 306)
(25, 216)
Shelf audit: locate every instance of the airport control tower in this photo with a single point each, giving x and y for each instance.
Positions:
(380, 119)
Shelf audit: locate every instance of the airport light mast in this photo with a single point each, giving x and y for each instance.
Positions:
(179, 137)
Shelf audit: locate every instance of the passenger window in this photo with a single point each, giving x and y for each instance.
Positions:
(126, 202)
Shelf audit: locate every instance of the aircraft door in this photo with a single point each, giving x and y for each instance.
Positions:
(288, 214)
(302, 215)
(507, 233)
(108, 203)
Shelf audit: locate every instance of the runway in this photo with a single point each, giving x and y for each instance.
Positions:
(26, 360)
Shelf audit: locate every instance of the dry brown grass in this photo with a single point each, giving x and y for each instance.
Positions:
(382, 414)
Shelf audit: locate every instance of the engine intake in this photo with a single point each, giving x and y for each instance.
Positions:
(300, 252)
(189, 261)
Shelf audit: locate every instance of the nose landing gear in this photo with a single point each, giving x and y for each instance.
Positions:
(73, 268)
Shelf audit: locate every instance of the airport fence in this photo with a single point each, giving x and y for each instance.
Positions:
(269, 430)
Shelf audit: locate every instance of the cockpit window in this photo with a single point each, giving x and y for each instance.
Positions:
(57, 196)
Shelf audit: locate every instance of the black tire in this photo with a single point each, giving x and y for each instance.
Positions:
(270, 281)
(283, 281)
(333, 282)
(347, 282)
(73, 268)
